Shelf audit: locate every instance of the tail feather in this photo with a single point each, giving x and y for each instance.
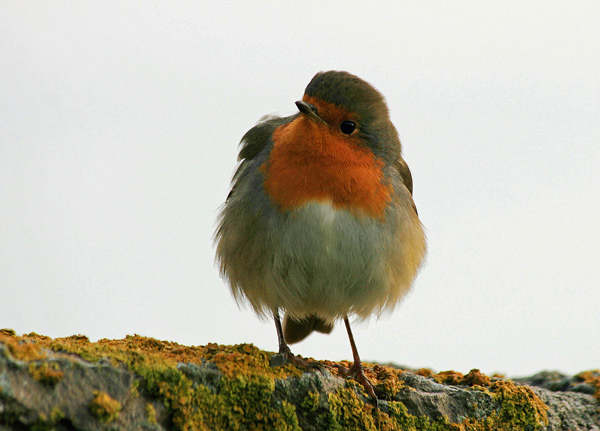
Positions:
(297, 330)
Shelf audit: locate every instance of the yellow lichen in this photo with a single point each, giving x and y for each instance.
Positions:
(104, 407)
(35, 336)
(348, 413)
(448, 377)
(311, 401)
(244, 395)
(46, 373)
(473, 378)
(425, 372)
(56, 415)
(231, 360)
(21, 349)
(134, 390)
(520, 407)
(591, 377)
(387, 379)
(151, 413)
(400, 420)
(476, 378)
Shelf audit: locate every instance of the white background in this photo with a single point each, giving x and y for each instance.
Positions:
(119, 125)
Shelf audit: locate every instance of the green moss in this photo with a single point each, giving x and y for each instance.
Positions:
(311, 402)
(399, 419)
(349, 413)
(134, 390)
(44, 423)
(56, 415)
(314, 408)
(243, 395)
(243, 402)
(520, 408)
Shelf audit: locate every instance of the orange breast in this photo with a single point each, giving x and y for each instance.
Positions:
(311, 162)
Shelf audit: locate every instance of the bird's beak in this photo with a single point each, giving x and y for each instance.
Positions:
(309, 110)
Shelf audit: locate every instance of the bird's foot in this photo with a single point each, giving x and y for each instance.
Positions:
(285, 355)
(356, 372)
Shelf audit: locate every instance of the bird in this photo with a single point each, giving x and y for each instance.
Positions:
(320, 223)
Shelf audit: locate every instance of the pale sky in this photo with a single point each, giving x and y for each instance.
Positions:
(119, 131)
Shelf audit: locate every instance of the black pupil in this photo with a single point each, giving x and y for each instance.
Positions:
(347, 127)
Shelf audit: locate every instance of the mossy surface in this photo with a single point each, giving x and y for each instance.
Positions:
(220, 387)
(592, 378)
(151, 412)
(105, 407)
(46, 373)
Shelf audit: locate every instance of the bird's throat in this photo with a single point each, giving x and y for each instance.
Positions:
(312, 162)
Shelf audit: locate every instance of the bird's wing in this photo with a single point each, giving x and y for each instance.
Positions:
(404, 172)
(258, 137)
(406, 176)
(254, 142)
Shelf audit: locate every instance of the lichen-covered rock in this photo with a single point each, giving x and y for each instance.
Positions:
(568, 398)
(141, 383)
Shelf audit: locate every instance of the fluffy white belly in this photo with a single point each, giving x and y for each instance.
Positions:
(331, 263)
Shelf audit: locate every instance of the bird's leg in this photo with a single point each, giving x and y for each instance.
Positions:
(356, 370)
(285, 354)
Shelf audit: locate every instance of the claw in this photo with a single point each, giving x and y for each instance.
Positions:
(356, 372)
(285, 354)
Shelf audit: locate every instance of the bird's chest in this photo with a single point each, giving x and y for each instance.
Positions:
(319, 253)
(317, 235)
(317, 165)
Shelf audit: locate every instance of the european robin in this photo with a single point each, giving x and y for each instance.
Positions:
(320, 222)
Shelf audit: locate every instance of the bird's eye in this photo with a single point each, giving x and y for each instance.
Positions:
(347, 127)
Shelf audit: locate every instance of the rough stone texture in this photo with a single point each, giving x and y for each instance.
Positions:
(140, 383)
(568, 398)
(27, 403)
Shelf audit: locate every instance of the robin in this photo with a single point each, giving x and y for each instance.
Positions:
(320, 222)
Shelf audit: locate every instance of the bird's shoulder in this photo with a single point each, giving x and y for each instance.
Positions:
(260, 136)
(258, 140)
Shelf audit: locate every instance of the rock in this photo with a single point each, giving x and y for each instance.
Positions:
(568, 398)
(140, 383)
